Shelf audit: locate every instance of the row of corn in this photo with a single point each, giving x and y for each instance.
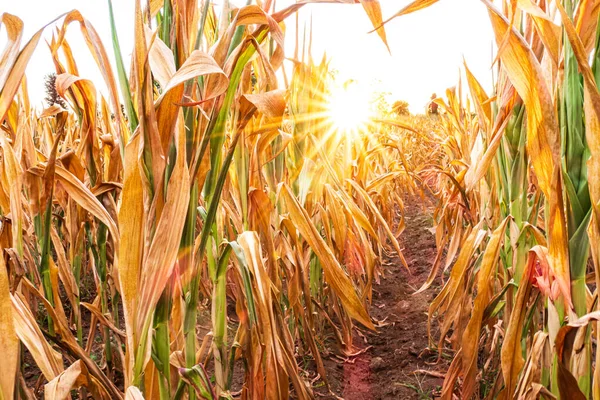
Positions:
(199, 229)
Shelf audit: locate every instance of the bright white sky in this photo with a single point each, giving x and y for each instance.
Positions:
(427, 47)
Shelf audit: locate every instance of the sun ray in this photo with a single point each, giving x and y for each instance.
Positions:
(349, 108)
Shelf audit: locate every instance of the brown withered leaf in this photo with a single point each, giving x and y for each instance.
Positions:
(335, 276)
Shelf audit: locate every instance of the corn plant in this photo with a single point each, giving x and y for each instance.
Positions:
(197, 193)
(517, 210)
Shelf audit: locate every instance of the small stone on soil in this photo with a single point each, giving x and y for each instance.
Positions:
(377, 364)
(404, 305)
(413, 351)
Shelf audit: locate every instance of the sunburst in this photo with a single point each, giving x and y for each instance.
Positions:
(349, 109)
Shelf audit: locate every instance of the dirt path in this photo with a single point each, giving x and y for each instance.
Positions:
(399, 348)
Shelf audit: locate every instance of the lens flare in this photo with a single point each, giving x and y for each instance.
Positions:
(349, 108)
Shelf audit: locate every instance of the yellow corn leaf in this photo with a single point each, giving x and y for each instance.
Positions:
(367, 199)
(451, 376)
(566, 347)
(247, 15)
(511, 354)
(450, 290)
(46, 358)
(335, 276)
(525, 73)
(549, 32)
(276, 379)
(373, 10)
(433, 272)
(383, 179)
(14, 183)
(161, 58)
(151, 377)
(83, 94)
(528, 388)
(199, 64)
(168, 104)
(481, 99)
(456, 239)
(64, 270)
(539, 236)
(129, 260)
(260, 211)
(103, 319)
(100, 55)
(480, 167)
(586, 22)
(74, 377)
(558, 246)
(543, 139)
(594, 233)
(271, 104)
(82, 196)
(162, 253)
(280, 362)
(397, 124)
(410, 8)
(51, 111)
(154, 160)
(133, 393)
(12, 75)
(9, 342)
(357, 214)
(335, 214)
(470, 338)
(14, 33)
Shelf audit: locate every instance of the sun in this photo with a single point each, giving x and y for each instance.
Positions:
(349, 108)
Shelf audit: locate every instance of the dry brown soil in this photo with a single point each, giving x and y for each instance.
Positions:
(394, 364)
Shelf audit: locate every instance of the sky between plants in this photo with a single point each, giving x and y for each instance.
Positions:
(427, 47)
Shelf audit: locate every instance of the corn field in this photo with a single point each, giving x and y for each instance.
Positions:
(203, 227)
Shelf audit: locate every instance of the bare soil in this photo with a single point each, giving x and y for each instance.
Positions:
(397, 363)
